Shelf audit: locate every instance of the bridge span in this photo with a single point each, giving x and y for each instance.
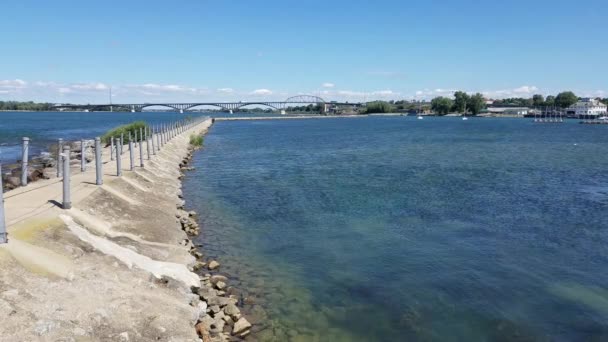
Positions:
(226, 106)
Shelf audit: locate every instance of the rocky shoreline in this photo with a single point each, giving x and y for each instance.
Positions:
(219, 318)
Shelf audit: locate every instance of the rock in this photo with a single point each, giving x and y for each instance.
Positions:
(241, 326)
(215, 278)
(202, 331)
(244, 333)
(220, 285)
(214, 326)
(201, 311)
(232, 311)
(228, 320)
(192, 213)
(198, 265)
(215, 308)
(13, 181)
(124, 336)
(213, 265)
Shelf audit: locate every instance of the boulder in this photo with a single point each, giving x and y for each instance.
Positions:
(232, 311)
(220, 285)
(240, 326)
(13, 182)
(217, 278)
(213, 265)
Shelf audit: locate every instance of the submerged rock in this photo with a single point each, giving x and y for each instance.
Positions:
(213, 265)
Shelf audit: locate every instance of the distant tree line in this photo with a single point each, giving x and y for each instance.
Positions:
(15, 105)
(462, 103)
(474, 104)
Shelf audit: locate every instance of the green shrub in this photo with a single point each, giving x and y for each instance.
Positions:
(124, 129)
(378, 107)
(196, 140)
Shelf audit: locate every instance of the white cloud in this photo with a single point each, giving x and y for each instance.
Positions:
(328, 85)
(384, 93)
(15, 84)
(225, 90)
(90, 86)
(261, 92)
(525, 90)
(64, 90)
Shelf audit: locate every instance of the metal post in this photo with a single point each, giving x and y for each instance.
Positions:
(24, 161)
(67, 201)
(152, 137)
(98, 162)
(118, 159)
(158, 134)
(131, 166)
(59, 164)
(141, 150)
(161, 130)
(111, 148)
(83, 163)
(3, 235)
(148, 143)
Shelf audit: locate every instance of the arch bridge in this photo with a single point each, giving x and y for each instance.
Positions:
(227, 106)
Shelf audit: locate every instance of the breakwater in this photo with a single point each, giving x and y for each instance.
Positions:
(117, 263)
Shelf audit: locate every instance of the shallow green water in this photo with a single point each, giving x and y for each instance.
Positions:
(390, 229)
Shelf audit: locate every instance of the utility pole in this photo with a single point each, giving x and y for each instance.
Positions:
(111, 109)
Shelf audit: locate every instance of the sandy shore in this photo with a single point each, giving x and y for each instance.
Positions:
(118, 266)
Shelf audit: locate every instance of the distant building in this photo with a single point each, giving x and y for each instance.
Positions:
(587, 107)
(509, 111)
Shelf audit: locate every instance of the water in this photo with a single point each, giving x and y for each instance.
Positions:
(397, 229)
(44, 128)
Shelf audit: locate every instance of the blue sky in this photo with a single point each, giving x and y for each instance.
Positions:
(74, 51)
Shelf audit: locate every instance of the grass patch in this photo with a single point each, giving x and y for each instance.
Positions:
(124, 129)
(196, 140)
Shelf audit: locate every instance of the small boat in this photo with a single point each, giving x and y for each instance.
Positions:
(420, 117)
(465, 118)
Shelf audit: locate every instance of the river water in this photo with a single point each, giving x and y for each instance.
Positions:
(44, 128)
(396, 229)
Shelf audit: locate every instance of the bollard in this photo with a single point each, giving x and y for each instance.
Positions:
(131, 166)
(118, 159)
(111, 148)
(141, 149)
(3, 234)
(98, 162)
(83, 162)
(152, 137)
(161, 133)
(24, 161)
(158, 134)
(59, 149)
(147, 143)
(67, 201)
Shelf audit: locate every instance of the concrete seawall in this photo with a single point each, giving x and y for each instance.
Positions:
(115, 267)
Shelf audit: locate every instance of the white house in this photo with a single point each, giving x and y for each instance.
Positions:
(588, 107)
